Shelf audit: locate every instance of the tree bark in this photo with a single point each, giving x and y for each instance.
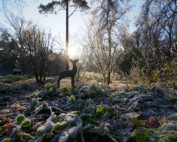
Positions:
(36, 75)
(109, 56)
(67, 29)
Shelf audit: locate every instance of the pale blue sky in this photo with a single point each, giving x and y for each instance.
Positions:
(57, 23)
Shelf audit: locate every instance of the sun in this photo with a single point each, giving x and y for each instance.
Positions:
(72, 52)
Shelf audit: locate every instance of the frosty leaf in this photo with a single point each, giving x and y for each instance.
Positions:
(109, 129)
(37, 139)
(90, 136)
(87, 126)
(91, 109)
(26, 123)
(85, 117)
(101, 111)
(101, 130)
(94, 122)
(82, 105)
(64, 137)
(46, 128)
(89, 101)
(56, 138)
(72, 99)
(59, 125)
(128, 116)
(118, 114)
(86, 110)
(175, 107)
(76, 112)
(139, 123)
(26, 136)
(151, 88)
(71, 120)
(7, 140)
(20, 118)
(94, 87)
(45, 105)
(74, 130)
(168, 126)
(173, 116)
(142, 134)
(52, 116)
(125, 138)
(173, 135)
(39, 108)
(35, 102)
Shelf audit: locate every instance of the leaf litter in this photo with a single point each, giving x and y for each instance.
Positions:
(94, 112)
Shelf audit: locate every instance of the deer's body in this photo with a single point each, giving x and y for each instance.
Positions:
(68, 73)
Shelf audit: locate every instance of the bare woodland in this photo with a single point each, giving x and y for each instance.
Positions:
(106, 46)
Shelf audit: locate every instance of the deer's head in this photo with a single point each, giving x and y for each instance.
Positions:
(74, 61)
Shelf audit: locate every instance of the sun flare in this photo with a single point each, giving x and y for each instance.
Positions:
(72, 52)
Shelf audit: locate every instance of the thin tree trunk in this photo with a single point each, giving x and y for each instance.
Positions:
(45, 70)
(67, 29)
(36, 75)
(109, 58)
(41, 72)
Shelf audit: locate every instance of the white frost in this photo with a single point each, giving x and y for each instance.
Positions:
(73, 131)
(64, 137)
(46, 128)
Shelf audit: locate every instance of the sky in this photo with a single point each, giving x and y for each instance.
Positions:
(57, 23)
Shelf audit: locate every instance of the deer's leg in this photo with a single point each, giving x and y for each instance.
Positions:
(72, 81)
(58, 82)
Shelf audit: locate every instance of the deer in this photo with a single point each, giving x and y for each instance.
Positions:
(68, 73)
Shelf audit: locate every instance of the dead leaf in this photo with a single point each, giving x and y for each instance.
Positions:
(152, 123)
(9, 128)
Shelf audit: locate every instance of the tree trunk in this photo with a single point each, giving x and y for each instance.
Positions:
(67, 29)
(109, 57)
(45, 70)
(36, 75)
(109, 78)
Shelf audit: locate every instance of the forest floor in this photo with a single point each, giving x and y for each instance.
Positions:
(118, 112)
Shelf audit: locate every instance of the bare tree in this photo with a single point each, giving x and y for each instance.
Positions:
(64, 5)
(35, 44)
(19, 26)
(5, 5)
(98, 49)
(156, 27)
(102, 41)
(164, 15)
(37, 48)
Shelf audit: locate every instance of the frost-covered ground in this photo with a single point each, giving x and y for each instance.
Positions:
(90, 112)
